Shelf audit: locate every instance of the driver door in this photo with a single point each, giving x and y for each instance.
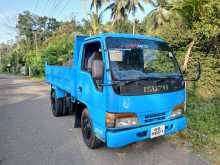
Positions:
(89, 90)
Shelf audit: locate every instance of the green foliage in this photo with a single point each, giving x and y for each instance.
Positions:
(202, 19)
(203, 103)
(203, 124)
(97, 4)
(57, 50)
(160, 15)
(203, 115)
(36, 63)
(25, 25)
(35, 29)
(119, 11)
(125, 27)
(4, 62)
(93, 24)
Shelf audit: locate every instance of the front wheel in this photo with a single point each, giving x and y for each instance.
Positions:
(87, 131)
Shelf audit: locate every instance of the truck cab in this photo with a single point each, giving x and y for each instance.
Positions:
(123, 88)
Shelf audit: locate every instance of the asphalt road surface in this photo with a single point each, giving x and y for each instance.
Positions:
(30, 135)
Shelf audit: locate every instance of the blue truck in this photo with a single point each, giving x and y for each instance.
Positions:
(122, 88)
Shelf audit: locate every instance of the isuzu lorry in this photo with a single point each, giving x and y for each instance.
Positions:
(122, 88)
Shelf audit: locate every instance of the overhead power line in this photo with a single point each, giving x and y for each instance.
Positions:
(54, 6)
(36, 5)
(47, 4)
(64, 7)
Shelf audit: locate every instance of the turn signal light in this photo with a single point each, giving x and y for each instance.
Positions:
(120, 120)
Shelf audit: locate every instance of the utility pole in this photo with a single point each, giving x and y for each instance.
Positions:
(0, 59)
(36, 50)
(35, 38)
(134, 25)
(1, 50)
(133, 31)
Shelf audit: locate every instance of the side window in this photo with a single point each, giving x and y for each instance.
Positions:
(93, 62)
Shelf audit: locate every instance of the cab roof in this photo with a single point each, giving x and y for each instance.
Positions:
(123, 35)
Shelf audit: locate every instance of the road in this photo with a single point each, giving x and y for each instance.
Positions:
(30, 135)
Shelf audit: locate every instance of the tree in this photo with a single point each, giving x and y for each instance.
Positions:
(186, 23)
(30, 26)
(132, 6)
(119, 11)
(97, 4)
(159, 15)
(93, 24)
(25, 26)
(33, 31)
(202, 18)
(5, 50)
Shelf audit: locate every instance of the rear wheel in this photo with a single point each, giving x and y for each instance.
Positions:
(67, 106)
(52, 101)
(56, 105)
(87, 131)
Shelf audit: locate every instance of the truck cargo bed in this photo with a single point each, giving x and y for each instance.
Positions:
(61, 77)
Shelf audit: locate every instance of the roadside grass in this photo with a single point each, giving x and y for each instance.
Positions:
(203, 126)
(40, 78)
(203, 107)
(203, 130)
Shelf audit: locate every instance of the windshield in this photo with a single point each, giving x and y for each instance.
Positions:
(140, 58)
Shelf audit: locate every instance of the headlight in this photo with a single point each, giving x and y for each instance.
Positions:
(177, 111)
(120, 120)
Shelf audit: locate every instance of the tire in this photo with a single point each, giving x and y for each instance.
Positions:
(65, 107)
(52, 100)
(56, 105)
(87, 131)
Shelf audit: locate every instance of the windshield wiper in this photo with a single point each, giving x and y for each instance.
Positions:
(138, 79)
(162, 79)
(125, 82)
(130, 81)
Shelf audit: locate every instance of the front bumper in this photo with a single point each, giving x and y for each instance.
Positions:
(125, 137)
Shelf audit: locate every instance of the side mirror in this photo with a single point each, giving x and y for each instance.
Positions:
(97, 69)
(198, 73)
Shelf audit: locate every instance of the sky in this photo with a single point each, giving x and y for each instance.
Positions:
(59, 9)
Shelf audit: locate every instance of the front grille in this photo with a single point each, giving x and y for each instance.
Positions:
(155, 117)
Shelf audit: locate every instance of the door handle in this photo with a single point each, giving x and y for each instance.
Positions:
(80, 89)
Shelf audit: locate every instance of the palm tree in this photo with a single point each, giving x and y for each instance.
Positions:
(160, 14)
(93, 23)
(132, 6)
(119, 11)
(97, 4)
